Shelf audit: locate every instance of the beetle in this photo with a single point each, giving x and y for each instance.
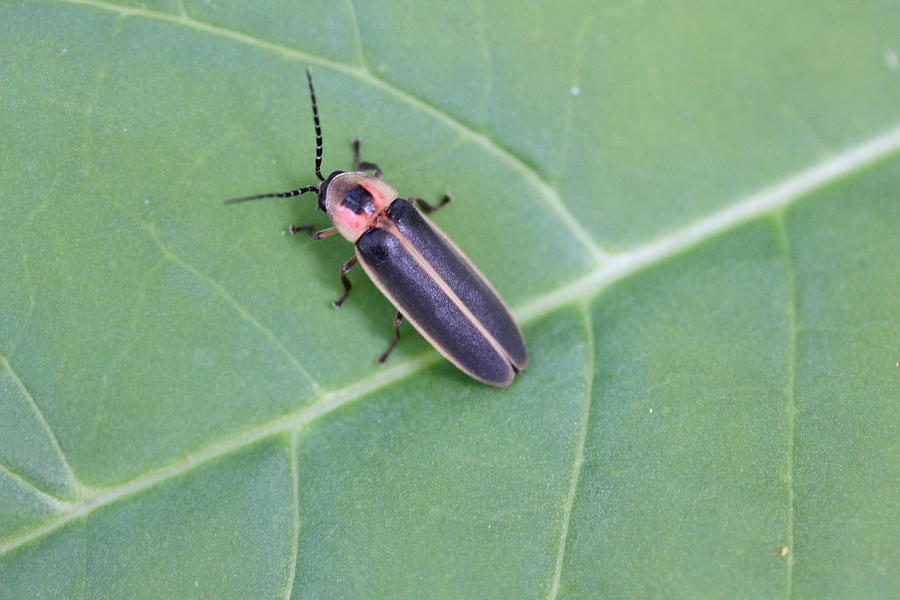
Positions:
(427, 278)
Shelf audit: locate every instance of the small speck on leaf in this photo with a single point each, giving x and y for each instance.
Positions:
(892, 60)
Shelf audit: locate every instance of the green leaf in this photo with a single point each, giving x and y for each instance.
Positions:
(692, 208)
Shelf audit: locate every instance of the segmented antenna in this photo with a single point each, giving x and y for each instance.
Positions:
(312, 95)
(290, 194)
(309, 188)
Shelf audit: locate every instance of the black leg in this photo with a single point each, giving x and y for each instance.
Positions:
(397, 320)
(345, 281)
(355, 144)
(428, 208)
(310, 230)
(359, 165)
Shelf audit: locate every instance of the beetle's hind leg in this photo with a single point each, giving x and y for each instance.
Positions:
(397, 321)
(361, 165)
(427, 207)
(345, 281)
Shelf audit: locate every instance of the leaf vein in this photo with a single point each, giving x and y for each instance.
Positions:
(325, 404)
(99, 80)
(357, 36)
(222, 291)
(755, 206)
(72, 481)
(25, 321)
(486, 73)
(578, 459)
(58, 504)
(295, 513)
(790, 410)
(575, 74)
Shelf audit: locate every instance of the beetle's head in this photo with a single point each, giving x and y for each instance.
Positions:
(353, 200)
(323, 190)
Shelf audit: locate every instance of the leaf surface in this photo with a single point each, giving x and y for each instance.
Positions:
(692, 209)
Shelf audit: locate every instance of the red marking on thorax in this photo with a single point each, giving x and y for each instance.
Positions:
(353, 221)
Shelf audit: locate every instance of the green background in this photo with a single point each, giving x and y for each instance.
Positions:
(691, 207)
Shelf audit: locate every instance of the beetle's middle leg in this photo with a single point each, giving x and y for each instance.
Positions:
(427, 207)
(359, 165)
(345, 281)
(310, 230)
(397, 320)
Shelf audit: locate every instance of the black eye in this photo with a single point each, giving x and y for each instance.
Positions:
(359, 200)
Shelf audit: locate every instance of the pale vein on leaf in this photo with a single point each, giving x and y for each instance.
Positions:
(578, 457)
(790, 393)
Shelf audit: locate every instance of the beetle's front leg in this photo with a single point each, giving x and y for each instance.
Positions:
(310, 230)
(345, 281)
(397, 320)
(427, 207)
(361, 165)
